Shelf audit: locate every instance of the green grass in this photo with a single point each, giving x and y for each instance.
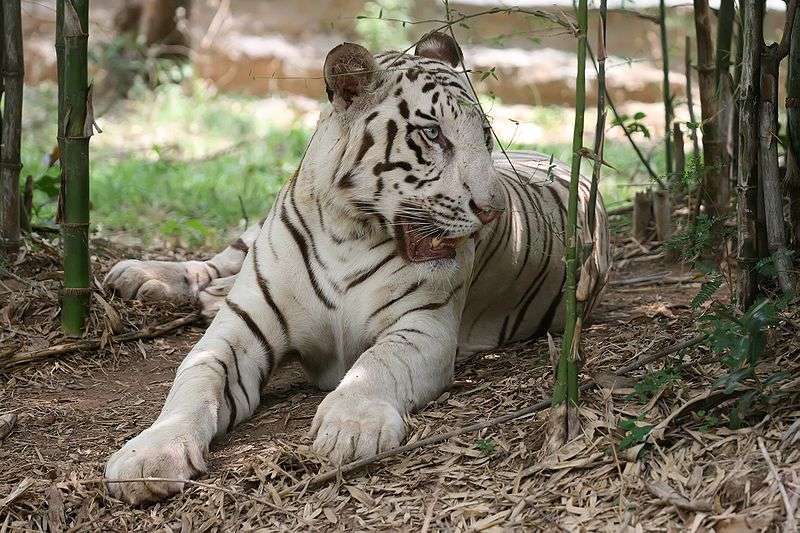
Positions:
(185, 166)
(179, 167)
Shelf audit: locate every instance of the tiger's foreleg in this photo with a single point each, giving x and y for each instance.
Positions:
(216, 386)
(410, 365)
(179, 281)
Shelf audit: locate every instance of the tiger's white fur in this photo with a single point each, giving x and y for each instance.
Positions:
(321, 279)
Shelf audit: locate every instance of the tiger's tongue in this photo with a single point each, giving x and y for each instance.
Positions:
(420, 248)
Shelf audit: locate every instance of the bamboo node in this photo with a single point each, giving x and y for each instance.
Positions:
(792, 102)
(74, 225)
(75, 291)
(13, 165)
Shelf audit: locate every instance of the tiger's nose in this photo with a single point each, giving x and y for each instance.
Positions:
(484, 214)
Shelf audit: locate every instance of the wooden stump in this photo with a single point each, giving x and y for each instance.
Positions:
(642, 215)
(662, 213)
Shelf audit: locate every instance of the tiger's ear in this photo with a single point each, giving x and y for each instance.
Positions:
(439, 46)
(349, 71)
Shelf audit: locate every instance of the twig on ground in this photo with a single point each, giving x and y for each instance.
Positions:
(791, 523)
(667, 494)
(525, 411)
(7, 360)
(229, 492)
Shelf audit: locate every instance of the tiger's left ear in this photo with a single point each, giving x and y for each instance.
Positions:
(349, 72)
(440, 46)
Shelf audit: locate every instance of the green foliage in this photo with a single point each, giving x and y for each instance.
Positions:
(708, 289)
(632, 124)
(695, 241)
(376, 32)
(634, 433)
(485, 446)
(740, 339)
(707, 421)
(654, 382)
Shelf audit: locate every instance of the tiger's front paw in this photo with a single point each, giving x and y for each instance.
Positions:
(158, 452)
(350, 427)
(177, 282)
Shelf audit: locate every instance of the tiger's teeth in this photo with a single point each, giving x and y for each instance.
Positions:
(435, 243)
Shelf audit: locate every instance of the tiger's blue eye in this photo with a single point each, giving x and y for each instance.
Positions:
(431, 132)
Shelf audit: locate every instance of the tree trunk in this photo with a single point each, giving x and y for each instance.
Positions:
(77, 130)
(747, 174)
(10, 164)
(715, 165)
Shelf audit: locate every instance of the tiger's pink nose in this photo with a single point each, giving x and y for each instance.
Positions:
(484, 215)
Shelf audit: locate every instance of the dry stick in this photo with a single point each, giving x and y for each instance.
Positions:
(91, 344)
(525, 411)
(791, 523)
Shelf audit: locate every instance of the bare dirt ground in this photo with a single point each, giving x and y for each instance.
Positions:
(695, 475)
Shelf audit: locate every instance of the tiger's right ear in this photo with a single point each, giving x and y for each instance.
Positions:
(349, 71)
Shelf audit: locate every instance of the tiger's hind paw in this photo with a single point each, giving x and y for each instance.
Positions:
(177, 282)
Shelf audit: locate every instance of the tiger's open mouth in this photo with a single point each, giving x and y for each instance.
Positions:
(416, 242)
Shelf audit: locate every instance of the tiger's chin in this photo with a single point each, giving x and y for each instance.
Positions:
(419, 246)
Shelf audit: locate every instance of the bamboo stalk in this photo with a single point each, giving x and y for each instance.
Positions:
(668, 111)
(76, 132)
(793, 127)
(772, 56)
(768, 166)
(722, 78)
(715, 181)
(689, 100)
(600, 124)
(747, 176)
(10, 165)
(565, 391)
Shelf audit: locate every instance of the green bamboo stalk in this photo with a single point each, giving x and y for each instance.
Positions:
(668, 112)
(10, 165)
(76, 132)
(566, 385)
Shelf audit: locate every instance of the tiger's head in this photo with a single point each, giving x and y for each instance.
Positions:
(404, 145)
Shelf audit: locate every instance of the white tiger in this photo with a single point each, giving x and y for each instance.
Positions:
(400, 243)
